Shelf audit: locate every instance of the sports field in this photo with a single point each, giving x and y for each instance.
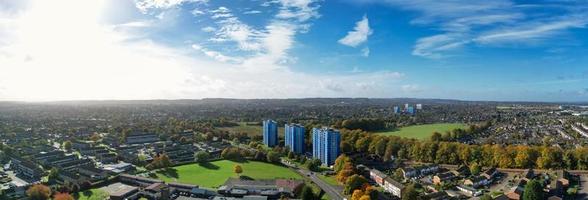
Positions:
(422, 131)
(250, 129)
(214, 174)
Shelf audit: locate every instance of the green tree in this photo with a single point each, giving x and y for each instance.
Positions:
(313, 165)
(533, 191)
(307, 193)
(202, 156)
(354, 182)
(486, 197)
(273, 157)
(409, 192)
(67, 145)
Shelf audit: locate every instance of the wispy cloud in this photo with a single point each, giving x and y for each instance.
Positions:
(480, 22)
(148, 5)
(359, 34)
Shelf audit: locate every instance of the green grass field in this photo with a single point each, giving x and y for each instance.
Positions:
(92, 194)
(214, 174)
(329, 179)
(422, 131)
(251, 130)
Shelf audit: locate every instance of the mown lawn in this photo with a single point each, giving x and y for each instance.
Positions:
(423, 131)
(250, 130)
(92, 194)
(329, 179)
(214, 174)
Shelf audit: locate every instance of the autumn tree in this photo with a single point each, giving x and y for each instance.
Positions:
(354, 182)
(39, 192)
(62, 196)
(238, 170)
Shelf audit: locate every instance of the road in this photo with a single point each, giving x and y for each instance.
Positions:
(329, 189)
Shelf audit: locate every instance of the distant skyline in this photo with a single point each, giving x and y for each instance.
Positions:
(497, 50)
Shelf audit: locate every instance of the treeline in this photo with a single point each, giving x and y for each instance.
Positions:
(442, 152)
(459, 133)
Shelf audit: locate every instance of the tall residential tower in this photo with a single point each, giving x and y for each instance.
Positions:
(294, 138)
(270, 133)
(325, 145)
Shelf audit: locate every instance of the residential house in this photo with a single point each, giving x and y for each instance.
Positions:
(477, 181)
(443, 177)
(26, 168)
(470, 191)
(490, 173)
(516, 192)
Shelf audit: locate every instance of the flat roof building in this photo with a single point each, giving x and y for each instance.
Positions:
(325, 145)
(294, 137)
(270, 133)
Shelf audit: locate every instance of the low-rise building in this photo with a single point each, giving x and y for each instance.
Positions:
(490, 173)
(443, 177)
(470, 191)
(393, 187)
(477, 181)
(26, 168)
(377, 176)
(141, 138)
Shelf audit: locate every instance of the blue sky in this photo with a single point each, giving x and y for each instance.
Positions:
(170, 49)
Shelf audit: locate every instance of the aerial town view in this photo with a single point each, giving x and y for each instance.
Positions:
(293, 99)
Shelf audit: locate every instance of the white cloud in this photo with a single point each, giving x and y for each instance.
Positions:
(147, 5)
(301, 10)
(486, 23)
(216, 55)
(209, 29)
(532, 31)
(359, 35)
(250, 12)
(365, 52)
(49, 59)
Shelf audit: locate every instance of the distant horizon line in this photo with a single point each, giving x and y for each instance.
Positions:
(302, 98)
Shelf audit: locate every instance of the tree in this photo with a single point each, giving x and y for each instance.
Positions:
(202, 156)
(346, 172)
(313, 165)
(340, 162)
(486, 197)
(39, 192)
(67, 145)
(357, 194)
(307, 193)
(475, 168)
(273, 157)
(533, 191)
(291, 155)
(53, 173)
(62, 196)
(409, 192)
(436, 136)
(238, 170)
(354, 182)
(95, 137)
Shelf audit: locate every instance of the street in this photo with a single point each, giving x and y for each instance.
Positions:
(329, 189)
